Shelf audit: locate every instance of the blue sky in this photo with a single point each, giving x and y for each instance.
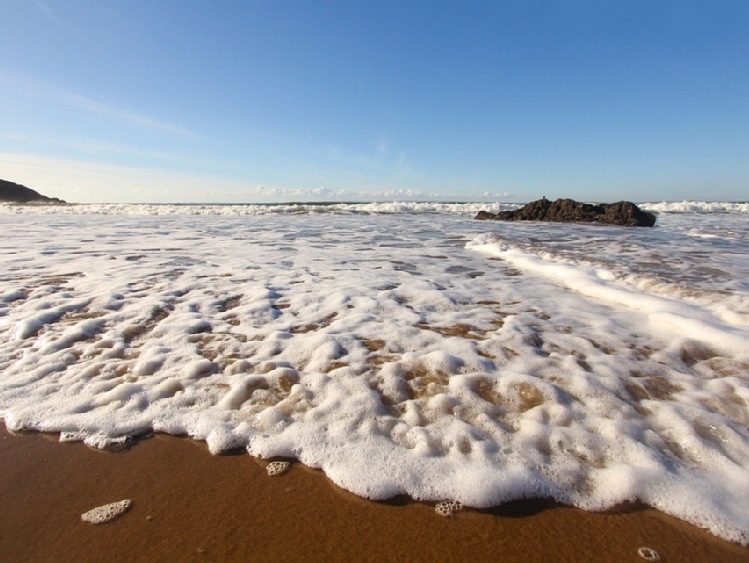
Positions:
(194, 101)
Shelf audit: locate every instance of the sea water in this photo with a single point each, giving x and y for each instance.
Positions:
(401, 348)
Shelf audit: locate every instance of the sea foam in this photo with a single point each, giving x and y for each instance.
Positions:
(412, 352)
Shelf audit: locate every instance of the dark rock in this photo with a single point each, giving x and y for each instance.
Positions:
(16, 193)
(623, 213)
(485, 215)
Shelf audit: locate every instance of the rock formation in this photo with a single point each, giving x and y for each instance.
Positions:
(16, 193)
(623, 213)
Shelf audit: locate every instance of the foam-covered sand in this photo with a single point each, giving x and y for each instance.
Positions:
(402, 351)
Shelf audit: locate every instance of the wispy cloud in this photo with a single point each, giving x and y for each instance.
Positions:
(52, 16)
(92, 182)
(47, 11)
(32, 87)
(92, 146)
(133, 118)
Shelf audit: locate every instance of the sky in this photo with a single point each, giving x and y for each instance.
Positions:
(254, 101)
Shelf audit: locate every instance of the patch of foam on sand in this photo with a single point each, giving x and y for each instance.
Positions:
(107, 512)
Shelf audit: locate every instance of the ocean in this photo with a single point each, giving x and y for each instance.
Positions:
(402, 348)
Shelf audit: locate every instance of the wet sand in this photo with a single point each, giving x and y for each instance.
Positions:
(191, 506)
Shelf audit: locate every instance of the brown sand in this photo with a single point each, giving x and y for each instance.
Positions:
(191, 506)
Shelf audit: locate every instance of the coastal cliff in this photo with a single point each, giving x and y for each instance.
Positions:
(16, 193)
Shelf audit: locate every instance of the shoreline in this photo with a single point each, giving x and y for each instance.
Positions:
(191, 506)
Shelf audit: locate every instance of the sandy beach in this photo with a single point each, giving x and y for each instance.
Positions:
(191, 506)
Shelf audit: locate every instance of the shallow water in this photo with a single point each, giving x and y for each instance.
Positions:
(401, 349)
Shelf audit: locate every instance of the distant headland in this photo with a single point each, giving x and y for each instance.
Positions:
(16, 193)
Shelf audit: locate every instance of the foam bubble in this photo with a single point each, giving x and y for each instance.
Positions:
(107, 512)
(648, 554)
(447, 507)
(277, 468)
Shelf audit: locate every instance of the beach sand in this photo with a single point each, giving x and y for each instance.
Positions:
(191, 506)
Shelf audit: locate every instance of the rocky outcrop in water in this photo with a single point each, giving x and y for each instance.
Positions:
(16, 193)
(623, 213)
